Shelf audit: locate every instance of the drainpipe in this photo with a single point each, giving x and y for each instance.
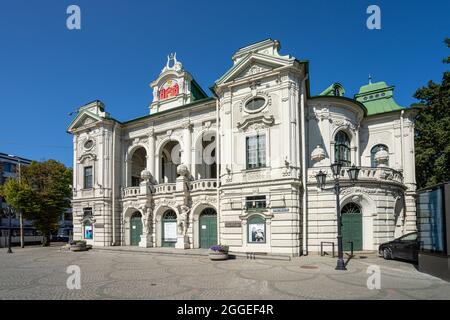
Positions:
(298, 163)
(113, 187)
(218, 169)
(304, 170)
(402, 142)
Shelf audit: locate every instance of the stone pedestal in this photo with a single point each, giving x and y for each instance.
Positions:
(182, 242)
(146, 241)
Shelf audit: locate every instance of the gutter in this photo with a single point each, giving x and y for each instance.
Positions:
(113, 189)
(218, 169)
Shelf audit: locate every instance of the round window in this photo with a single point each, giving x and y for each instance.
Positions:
(255, 104)
(88, 144)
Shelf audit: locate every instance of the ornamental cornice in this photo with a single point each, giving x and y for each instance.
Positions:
(256, 123)
(88, 155)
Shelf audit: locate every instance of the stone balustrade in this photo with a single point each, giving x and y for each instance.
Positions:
(378, 174)
(165, 188)
(168, 188)
(203, 185)
(131, 192)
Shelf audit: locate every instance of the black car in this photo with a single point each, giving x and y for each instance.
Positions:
(406, 248)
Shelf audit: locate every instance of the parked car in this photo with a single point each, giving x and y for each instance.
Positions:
(406, 248)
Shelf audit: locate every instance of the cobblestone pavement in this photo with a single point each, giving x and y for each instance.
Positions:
(40, 273)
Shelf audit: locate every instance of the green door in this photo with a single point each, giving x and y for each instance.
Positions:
(136, 229)
(352, 227)
(208, 228)
(169, 229)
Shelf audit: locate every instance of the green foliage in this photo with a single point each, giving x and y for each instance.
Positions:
(432, 129)
(42, 195)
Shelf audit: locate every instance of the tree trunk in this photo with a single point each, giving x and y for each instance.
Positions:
(22, 240)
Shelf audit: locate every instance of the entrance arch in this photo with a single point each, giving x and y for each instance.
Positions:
(135, 228)
(352, 227)
(207, 228)
(169, 229)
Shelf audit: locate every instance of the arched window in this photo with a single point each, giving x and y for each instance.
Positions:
(351, 208)
(342, 148)
(374, 162)
(256, 229)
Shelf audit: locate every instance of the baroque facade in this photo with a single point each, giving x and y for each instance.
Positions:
(239, 168)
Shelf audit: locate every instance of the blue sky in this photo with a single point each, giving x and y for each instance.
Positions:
(47, 71)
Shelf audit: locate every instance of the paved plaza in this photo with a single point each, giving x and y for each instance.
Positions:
(40, 273)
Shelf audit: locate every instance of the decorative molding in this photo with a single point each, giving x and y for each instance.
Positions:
(256, 123)
(88, 155)
(252, 70)
(255, 94)
(344, 123)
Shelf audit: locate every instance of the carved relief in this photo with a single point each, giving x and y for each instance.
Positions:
(344, 123)
(254, 69)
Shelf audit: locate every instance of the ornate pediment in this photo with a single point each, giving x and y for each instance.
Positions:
(254, 69)
(88, 115)
(254, 64)
(84, 120)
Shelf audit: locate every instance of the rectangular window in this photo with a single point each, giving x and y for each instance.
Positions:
(8, 167)
(88, 177)
(256, 230)
(256, 151)
(255, 202)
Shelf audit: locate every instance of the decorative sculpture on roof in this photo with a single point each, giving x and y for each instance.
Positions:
(173, 63)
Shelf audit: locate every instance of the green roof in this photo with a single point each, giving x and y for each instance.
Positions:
(377, 98)
(332, 89)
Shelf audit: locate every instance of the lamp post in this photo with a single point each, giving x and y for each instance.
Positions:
(321, 180)
(9, 212)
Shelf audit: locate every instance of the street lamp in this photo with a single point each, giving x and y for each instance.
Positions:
(9, 212)
(321, 180)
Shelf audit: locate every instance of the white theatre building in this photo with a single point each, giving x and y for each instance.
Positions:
(239, 167)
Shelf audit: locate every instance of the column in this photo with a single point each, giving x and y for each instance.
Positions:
(151, 153)
(187, 145)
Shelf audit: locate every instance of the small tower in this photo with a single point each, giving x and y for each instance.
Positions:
(174, 87)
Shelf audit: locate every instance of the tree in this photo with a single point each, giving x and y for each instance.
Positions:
(42, 195)
(432, 138)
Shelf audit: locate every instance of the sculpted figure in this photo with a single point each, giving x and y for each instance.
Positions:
(183, 220)
(147, 221)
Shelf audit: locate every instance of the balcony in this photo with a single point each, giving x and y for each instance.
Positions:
(169, 188)
(204, 185)
(131, 192)
(165, 188)
(366, 174)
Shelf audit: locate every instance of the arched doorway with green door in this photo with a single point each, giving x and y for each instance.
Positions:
(352, 227)
(169, 229)
(135, 228)
(208, 228)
